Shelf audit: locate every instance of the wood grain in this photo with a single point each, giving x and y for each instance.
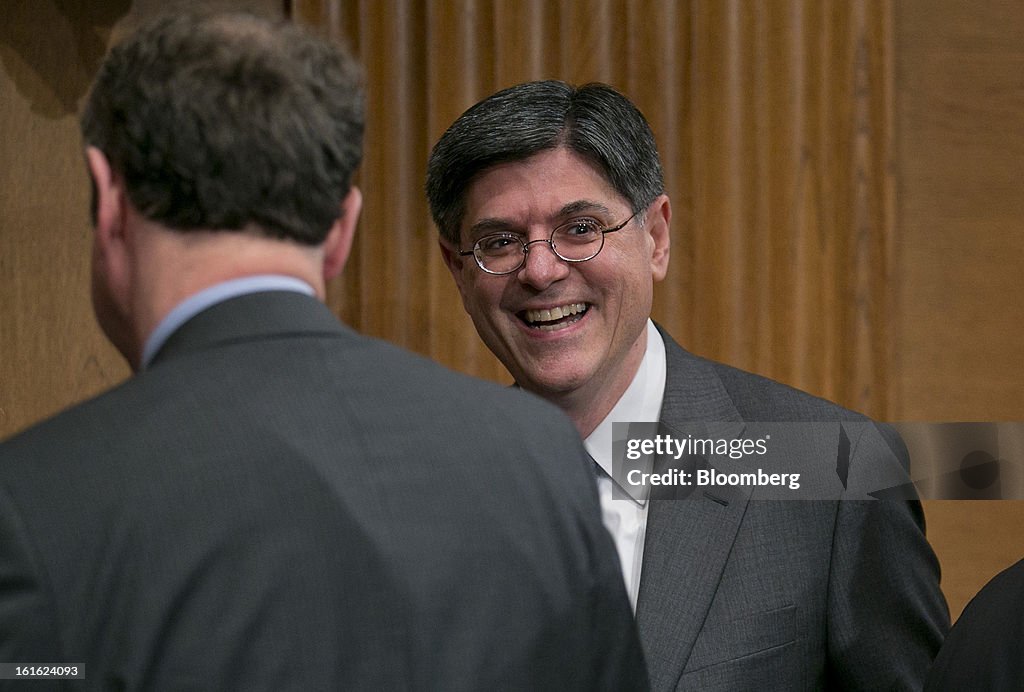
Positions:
(960, 338)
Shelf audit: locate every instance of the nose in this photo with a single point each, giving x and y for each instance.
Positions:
(542, 267)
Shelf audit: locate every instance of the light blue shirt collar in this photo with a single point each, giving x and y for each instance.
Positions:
(208, 297)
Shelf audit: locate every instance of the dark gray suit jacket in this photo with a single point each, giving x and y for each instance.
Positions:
(985, 649)
(739, 593)
(278, 503)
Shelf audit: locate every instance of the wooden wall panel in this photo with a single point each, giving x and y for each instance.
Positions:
(774, 124)
(791, 217)
(960, 337)
(961, 156)
(51, 353)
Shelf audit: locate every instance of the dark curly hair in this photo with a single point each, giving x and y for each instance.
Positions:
(228, 122)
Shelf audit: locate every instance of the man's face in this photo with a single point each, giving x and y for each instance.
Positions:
(595, 348)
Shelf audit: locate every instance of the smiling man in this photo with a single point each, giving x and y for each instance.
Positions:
(555, 225)
(572, 330)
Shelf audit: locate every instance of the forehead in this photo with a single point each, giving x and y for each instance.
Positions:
(537, 189)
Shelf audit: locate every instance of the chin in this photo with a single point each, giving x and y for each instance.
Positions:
(563, 384)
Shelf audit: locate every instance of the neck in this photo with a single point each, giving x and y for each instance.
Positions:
(171, 266)
(585, 413)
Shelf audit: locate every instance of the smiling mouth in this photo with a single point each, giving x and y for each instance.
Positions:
(555, 318)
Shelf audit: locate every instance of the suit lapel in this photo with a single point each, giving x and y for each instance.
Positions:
(688, 540)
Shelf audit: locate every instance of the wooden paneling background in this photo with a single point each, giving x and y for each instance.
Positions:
(845, 177)
(51, 353)
(959, 73)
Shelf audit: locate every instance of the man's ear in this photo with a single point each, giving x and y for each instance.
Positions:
(339, 239)
(452, 259)
(659, 216)
(112, 239)
(108, 195)
(113, 256)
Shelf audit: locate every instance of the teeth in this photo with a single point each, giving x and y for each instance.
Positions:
(556, 313)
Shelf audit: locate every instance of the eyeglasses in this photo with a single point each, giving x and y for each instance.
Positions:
(578, 240)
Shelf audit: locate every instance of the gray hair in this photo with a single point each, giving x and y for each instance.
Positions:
(222, 121)
(593, 120)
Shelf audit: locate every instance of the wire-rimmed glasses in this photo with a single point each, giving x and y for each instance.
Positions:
(578, 240)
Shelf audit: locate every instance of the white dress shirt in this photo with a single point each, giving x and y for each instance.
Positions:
(625, 517)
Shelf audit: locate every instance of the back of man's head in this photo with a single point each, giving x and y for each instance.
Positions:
(230, 122)
(594, 120)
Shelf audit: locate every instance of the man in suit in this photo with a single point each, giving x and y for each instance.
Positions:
(554, 223)
(273, 502)
(985, 648)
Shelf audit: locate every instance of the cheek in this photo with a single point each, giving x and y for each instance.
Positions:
(482, 293)
(475, 300)
(630, 292)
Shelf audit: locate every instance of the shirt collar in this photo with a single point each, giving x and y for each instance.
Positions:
(208, 297)
(640, 403)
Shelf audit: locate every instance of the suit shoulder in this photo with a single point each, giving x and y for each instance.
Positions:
(983, 650)
(761, 398)
(450, 388)
(755, 397)
(77, 421)
(1005, 589)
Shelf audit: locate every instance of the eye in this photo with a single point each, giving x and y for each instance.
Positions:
(498, 244)
(580, 230)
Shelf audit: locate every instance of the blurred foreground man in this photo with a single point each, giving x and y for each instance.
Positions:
(554, 223)
(273, 502)
(985, 648)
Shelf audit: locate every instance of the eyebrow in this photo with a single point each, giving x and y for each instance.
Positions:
(584, 205)
(499, 225)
